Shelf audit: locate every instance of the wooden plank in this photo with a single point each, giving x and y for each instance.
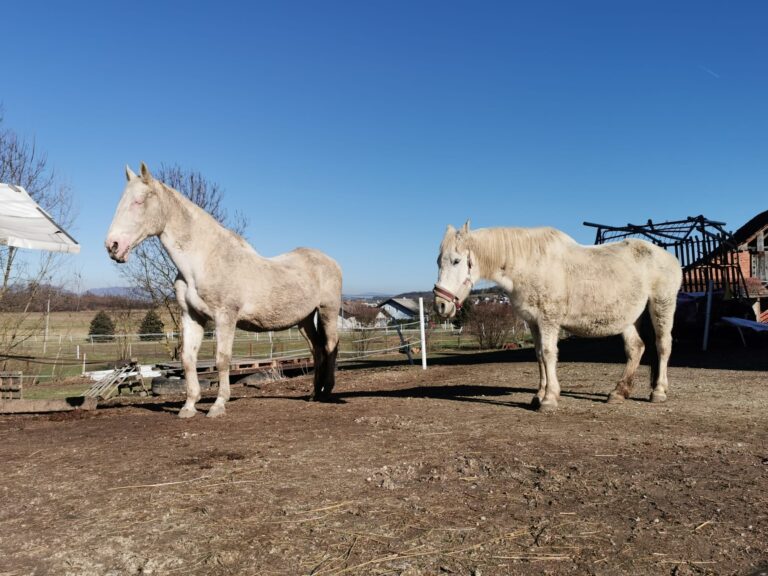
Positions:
(27, 406)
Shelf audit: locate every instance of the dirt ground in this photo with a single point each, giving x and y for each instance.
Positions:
(444, 471)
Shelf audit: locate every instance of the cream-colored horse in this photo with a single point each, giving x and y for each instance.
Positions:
(222, 278)
(555, 283)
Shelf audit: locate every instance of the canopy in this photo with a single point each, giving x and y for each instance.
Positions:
(24, 224)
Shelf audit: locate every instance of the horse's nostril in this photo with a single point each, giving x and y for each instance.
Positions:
(113, 248)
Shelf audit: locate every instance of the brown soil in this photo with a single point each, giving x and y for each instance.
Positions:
(439, 472)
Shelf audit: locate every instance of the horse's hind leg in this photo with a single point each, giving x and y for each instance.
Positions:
(225, 336)
(327, 317)
(310, 333)
(634, 348)
(539, 396)
(662, 315)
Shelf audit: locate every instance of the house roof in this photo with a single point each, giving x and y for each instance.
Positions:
(405, 303)
(747, 233)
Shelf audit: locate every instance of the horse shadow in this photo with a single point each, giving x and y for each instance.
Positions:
(473, 393)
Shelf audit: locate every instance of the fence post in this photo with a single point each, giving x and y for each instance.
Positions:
(404, 344)
(423, 337)
(708, 315)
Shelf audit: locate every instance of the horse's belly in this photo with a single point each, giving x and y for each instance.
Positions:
(258, 319)
(595, 328)
(598, 325)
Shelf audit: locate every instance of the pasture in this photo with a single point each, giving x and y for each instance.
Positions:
(444, 471)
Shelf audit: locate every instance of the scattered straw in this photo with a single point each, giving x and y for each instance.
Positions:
(158, 485)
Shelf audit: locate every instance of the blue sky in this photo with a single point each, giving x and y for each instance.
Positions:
(362, 128)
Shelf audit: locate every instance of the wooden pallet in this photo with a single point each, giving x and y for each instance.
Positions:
(10, 385)
(238, 366)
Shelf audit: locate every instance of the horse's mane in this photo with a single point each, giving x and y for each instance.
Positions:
(494, 247)
(185, 204)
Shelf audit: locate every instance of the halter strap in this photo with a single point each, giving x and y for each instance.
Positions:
(450, 296)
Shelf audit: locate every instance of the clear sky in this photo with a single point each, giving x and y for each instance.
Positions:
(362, 128)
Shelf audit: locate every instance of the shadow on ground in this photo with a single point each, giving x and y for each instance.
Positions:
(723, 353)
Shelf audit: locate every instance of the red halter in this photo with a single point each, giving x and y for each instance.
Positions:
(450, 296)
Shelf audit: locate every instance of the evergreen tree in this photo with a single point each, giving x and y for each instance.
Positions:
(152, 327)
(102, 327)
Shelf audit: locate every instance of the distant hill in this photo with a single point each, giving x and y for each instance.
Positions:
(124, 291)
(415, 295)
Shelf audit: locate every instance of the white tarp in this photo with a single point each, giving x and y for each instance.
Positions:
(24, 224)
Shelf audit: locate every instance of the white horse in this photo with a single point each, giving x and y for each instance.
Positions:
(555, 283)
(221, 277)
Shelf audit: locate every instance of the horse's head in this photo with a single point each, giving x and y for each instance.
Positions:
(455, 276)
(138, 216)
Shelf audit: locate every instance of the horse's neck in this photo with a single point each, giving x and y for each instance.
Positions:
(189, 233)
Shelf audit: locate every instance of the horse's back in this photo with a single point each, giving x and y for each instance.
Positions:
(661, 266)
(310, 258)
(323, 269)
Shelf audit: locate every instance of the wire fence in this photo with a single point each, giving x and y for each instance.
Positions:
(59, 356)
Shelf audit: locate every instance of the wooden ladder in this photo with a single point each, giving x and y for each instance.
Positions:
(109, 384)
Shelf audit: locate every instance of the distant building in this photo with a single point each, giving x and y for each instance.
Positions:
(400, 308)
(752, 239)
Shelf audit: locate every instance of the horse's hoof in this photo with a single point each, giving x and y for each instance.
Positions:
(187, 412)
(658, 396)
(547, 406)
(535, 402)
(615, 398)
(216, 411)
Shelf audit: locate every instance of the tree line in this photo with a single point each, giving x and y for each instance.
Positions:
(42, 298)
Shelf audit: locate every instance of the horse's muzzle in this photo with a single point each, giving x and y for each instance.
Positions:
(444, 308)
(114, 251)
(447, 304)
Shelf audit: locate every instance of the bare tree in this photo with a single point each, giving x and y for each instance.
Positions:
(150, 270)
(22, 164)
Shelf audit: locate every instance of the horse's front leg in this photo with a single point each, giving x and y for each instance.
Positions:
(549, 356)
(192, 332)
(539, 396)
(225, 336)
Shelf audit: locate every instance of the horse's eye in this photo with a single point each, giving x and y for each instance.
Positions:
(456, 261)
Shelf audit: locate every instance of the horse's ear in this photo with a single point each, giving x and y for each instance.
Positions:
(450, 230)
(146, 175)
(129, 174)
(465, 228)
